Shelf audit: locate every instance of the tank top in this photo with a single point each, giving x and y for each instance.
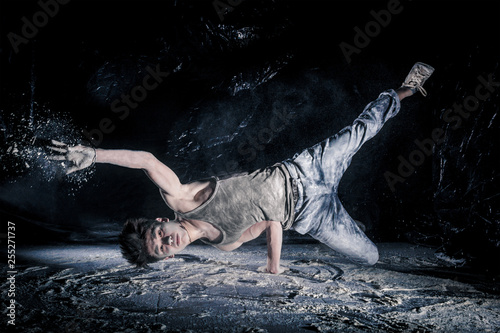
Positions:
(240, 201)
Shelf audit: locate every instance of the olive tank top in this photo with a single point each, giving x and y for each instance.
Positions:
(240, 201)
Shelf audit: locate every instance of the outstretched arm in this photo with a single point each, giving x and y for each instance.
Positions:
(159, 173)
(274, 235)
(82, 157)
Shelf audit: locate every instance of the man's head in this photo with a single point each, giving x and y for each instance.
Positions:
(144, 241)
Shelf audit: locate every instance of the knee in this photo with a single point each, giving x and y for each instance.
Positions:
(369, 258)
(372, 257)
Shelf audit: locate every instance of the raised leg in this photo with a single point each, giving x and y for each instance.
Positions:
(319, 169)
(404, 92)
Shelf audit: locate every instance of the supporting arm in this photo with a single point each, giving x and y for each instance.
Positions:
(274, 235)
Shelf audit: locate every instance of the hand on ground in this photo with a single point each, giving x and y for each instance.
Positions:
(279, 270)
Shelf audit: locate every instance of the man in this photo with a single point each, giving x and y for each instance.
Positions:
(298, 194)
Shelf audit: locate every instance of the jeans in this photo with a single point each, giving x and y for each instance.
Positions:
(317, 172)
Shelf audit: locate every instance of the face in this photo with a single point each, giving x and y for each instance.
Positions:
(166, 238)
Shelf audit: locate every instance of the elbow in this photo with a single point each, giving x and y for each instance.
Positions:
(229, 247)
(148, 160)
(274, 226)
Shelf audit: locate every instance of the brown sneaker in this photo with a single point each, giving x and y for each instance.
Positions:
(419, 73)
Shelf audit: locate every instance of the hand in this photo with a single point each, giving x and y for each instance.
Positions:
(80, 157)
(278, 270)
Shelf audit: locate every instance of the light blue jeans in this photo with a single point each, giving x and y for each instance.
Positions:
(317, 172)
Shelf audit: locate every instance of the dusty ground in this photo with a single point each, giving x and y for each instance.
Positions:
(91, 289)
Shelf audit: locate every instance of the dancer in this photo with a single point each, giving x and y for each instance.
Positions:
(298, 194)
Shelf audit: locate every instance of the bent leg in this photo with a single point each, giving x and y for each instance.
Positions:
(342, 234)
(318, 171)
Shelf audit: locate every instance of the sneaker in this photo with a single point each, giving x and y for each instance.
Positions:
(419, 73)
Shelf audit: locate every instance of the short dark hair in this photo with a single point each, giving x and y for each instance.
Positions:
(133, 242)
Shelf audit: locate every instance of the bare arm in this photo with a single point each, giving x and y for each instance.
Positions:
(274, 234)
(158, 172)
(80, 157)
